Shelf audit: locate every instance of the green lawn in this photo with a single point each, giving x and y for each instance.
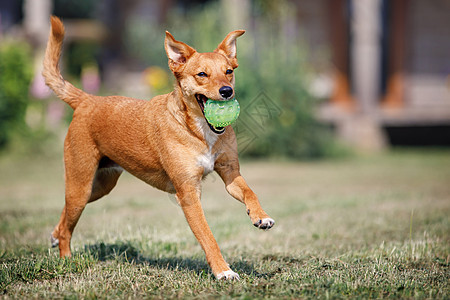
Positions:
(365, 227)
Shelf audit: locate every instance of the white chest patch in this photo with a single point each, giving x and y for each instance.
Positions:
(207, 159)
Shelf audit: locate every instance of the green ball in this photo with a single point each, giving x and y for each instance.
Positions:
(221, 113)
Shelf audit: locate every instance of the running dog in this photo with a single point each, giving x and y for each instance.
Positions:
(166, 142)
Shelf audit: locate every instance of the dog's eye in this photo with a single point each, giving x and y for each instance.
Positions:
(229, 71)
(202, 74)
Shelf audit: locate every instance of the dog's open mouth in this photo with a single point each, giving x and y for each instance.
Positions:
(201, 99)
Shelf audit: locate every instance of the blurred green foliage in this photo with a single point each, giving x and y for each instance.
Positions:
(277, 119)
(15, 78)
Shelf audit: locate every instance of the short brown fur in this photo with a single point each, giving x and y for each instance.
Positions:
(165, 142)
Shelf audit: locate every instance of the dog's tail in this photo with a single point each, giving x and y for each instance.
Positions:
(53, 78)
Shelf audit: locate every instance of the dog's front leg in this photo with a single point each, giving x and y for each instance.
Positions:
(238, 188)
(189, 199)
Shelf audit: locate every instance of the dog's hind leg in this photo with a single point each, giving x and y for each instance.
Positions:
(105, 180)
(81, 162)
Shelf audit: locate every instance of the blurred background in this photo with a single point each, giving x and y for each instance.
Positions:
(317, 78)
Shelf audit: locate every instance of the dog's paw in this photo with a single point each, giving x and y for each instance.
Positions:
(265, 223)
(54, 241)
(228, 275)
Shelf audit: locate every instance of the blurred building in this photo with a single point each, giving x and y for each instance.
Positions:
(390, 66)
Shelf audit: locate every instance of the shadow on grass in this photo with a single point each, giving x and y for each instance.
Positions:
(127, 252)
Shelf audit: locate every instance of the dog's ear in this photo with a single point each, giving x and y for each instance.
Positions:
(228, 46)
(177, 52)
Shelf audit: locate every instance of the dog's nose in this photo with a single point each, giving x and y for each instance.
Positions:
(226, 91)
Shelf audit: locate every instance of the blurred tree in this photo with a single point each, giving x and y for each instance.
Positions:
(15, 78)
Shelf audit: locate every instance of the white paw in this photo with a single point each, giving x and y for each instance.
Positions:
(265, 224)
(54, 241)
(228, 275)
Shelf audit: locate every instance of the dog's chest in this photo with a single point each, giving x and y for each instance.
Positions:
(207, 159)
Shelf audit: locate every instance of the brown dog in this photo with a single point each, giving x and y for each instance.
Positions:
(165, 142)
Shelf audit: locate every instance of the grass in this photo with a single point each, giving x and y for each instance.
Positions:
(365, 227)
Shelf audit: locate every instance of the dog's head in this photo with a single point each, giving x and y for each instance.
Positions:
(203, 76)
